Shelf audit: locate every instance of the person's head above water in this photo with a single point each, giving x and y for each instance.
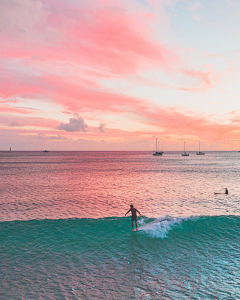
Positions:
(131, 206)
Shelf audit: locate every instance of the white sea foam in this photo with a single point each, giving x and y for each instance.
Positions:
(160, 226)
(141, 221)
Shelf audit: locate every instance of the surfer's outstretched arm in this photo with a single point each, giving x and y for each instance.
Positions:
(138, 212)
(127, 212)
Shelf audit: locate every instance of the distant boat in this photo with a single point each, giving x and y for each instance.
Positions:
(45, 151)
(199, 152)
(184, 152)
(157, 152)
(10, 149)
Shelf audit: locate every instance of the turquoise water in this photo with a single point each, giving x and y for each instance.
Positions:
(63, 234)
(102, 259)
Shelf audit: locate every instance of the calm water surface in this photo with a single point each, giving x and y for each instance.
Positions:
(63, 234)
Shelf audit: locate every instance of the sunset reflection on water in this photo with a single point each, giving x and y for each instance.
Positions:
(104, 184)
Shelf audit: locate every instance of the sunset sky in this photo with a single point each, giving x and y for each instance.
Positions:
(114, 75)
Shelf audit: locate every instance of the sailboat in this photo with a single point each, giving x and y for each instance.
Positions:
(10, 149)
(157, 152)
(199, 152)
(184, 152)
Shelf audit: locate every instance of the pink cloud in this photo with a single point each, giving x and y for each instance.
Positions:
(103, 40)
(6, 119)
(172, 122)
(107, 38)
(59, 51)
(9, 109)
(169, 121)
(64, 91)
(201, 81)
(203, 77)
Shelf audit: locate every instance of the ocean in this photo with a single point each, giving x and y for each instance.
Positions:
(63, 233)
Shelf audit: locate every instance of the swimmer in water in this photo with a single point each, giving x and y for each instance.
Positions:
(226, 192)
(134, 212)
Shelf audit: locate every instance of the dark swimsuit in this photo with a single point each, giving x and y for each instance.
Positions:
(134, 218)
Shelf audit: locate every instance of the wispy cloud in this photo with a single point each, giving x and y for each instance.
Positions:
(14, 124)
(111, 60)
(42, 136)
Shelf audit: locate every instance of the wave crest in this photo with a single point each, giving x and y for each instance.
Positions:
(160, 226)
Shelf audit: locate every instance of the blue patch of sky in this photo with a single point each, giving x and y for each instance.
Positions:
(209, 32)
(146, 4)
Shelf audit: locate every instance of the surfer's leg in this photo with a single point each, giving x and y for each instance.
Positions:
(136, 225)
(132, 226)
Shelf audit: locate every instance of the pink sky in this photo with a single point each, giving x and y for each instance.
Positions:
(114, 75)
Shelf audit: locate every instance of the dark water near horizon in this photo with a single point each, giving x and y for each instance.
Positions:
(63, 234)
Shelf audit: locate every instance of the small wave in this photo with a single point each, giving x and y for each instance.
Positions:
(160, 226)
(201, 226)
(179, 227)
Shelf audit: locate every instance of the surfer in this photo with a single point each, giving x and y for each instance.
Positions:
(226, 192)
(134, 212)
